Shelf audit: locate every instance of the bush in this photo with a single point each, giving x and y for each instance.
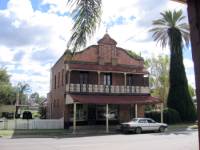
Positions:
(7, 115)
(35, 114)
(27, 115)
(43, 112)
(171, 116)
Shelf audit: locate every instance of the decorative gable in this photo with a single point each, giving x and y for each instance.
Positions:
(107, 50)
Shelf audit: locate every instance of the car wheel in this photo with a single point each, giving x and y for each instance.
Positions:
(161, 129)
(138, 130)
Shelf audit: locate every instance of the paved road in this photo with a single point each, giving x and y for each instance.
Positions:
(185, 140)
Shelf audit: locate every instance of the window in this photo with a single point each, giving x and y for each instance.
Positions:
(81, 112)
(55, 82)
(143, 121)
(58, 104)
(134, 120)
(113, 113)
(107, 79)
(62, 78)
(58, 79)
(54, 103)
(150, 121)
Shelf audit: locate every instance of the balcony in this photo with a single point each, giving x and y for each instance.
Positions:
(107, 89)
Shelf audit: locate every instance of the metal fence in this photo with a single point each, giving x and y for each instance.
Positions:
(32, 124)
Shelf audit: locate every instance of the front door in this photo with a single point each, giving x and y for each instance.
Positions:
(91, 114)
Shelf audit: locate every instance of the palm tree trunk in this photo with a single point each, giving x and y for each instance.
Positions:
(194, 20)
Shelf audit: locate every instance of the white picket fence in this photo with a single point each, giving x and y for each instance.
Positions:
(33, 124)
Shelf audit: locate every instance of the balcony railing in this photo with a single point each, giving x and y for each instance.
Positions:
(113, 89)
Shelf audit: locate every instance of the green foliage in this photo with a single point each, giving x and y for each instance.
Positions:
(179, 97)
(4, 77)
(170, 20)
(87, 15)
(170, 116)
(35, 97)
(27, 115)
(159, 76)
(42, 112)
(7, 92)
(172, 31)
(133, 54)
(36, 114)
(191, 91)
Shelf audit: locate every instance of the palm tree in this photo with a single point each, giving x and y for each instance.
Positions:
(87, 16)
(171, 30)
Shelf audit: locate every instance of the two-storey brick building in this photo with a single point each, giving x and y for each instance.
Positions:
(102, 83)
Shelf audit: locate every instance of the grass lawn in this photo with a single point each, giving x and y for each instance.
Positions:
(33, 133)
(6, 133)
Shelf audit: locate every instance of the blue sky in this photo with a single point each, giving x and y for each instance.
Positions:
(34, 33)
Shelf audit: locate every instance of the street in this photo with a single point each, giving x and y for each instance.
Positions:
(182, 140)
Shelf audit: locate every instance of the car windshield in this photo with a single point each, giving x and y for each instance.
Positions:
(134, 120)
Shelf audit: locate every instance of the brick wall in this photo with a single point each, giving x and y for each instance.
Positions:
(140, 110)
(90, 54)
(56, 99)
(117, 79)
(124, 113)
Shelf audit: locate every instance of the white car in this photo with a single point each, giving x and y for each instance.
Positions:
(138, 125)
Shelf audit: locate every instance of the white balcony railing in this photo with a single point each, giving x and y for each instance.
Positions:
(113, 89)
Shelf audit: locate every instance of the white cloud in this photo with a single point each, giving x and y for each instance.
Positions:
(6, 54)
(23, 29)
(33, 31)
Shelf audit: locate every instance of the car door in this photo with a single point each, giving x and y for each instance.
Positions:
(152, 124)
(144, 124)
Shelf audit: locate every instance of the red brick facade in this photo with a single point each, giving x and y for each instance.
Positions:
(102, 69)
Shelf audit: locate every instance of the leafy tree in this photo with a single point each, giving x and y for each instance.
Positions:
(37, 98)
(171, 30)
(43, 112)
(4, 77)
(159, 76)
(7, 92)
(22, 88)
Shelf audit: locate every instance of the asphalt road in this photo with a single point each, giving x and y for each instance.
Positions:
(183, 140)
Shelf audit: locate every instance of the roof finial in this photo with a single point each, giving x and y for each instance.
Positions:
(107, 30)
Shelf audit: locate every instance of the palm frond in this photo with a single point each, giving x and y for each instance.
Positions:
(169, 20)
(86, 16)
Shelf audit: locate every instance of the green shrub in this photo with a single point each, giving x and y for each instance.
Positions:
(36, 114)
(171, 116)
(27, 115)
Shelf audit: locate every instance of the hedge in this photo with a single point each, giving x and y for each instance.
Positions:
(171, 116)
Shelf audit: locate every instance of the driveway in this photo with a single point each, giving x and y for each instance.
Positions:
(181, 140)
